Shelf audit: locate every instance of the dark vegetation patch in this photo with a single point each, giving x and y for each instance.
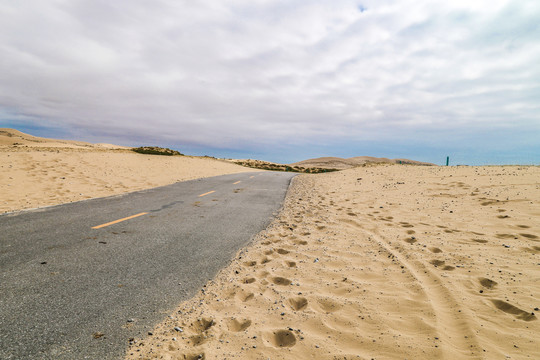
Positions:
(156, 150)
(263, 165)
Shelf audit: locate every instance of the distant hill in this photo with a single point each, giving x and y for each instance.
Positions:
(16, 138)
(342, 164)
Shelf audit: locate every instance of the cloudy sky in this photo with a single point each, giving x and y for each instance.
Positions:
(279, 80)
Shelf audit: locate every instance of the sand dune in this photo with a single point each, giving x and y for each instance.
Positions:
(16, 138)
(342, 164)
(381, 262)
(37, 172)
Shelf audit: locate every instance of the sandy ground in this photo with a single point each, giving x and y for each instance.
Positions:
(39, 172)
(380, 262)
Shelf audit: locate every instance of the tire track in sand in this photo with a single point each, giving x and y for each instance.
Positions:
(455, 332)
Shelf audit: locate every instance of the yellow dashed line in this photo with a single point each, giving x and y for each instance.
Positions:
(207, 193)
(119, 220)
(238, 182)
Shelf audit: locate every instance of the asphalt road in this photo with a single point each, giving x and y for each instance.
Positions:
(66, 275)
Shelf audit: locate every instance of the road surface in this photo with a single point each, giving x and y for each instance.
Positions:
(114, 267)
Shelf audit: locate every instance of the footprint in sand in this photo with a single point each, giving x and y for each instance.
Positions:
(298, 303)
(451, 231)
(197, 340)
(523, 226)
(487, 283)
(201, 325)
(480, 241)
(411, 240)
(236, 325)
(440, 263)
(245, 295)
(328, 306)
(197, 356)
(283, 251)
(511, 309)
(290, 263)
(533, 249)
(410, 232)
(486, 203)
(250, 263)
(435, 250)
(282, 338)
(278, 280)
(506, 236)
(249, 280)
(529, 236)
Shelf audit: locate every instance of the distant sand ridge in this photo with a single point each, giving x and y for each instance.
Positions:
(342, 164)
(379, 262)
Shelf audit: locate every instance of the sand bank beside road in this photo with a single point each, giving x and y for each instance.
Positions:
(381, 262)
(37, 176)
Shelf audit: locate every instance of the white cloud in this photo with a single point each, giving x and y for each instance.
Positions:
(241, 73)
